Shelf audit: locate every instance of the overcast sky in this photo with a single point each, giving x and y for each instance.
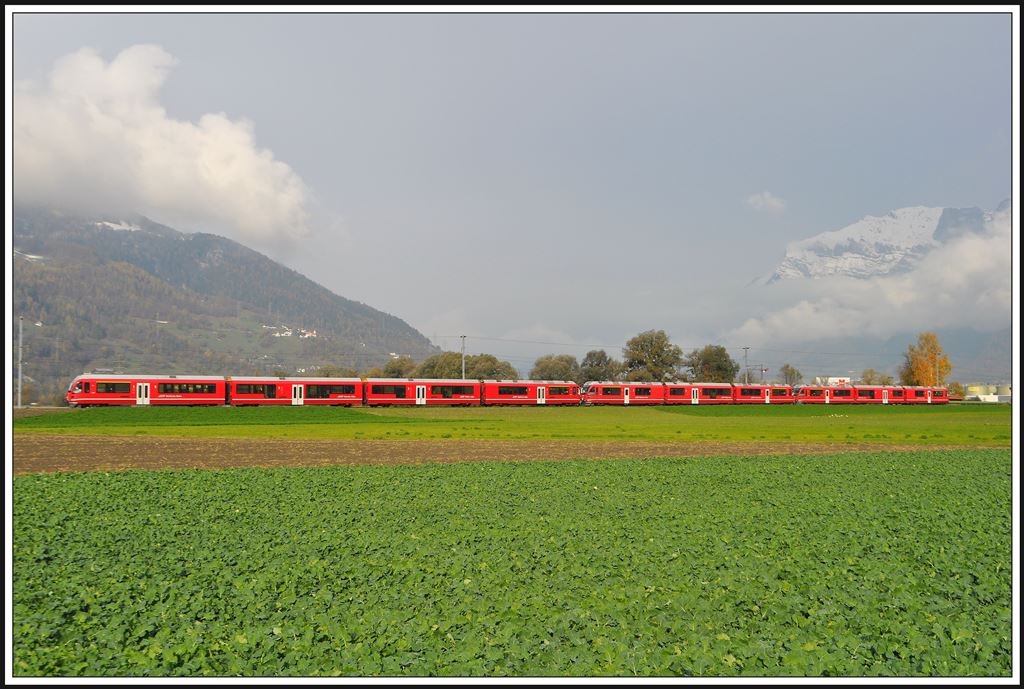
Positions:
(556, 178)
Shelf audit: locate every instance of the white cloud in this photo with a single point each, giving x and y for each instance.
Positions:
(96, 138)
(963, 283)
(766, 201)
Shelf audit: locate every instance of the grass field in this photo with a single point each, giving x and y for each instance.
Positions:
(890, 564)
(918, 425)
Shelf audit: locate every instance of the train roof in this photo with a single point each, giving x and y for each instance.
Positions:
(532, 382)
(621, 382)
(876, 387)
(759, 385)
(696, 382)
(297, 379)
(147, 376)
(424, 381)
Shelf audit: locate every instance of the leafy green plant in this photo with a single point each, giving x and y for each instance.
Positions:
(889, 564)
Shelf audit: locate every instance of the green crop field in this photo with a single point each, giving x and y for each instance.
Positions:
(885, 564)
(918, 425)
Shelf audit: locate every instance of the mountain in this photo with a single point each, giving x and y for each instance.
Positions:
(131, 294)
(884, 245)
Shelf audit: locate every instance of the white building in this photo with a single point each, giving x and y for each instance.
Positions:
(833, 380)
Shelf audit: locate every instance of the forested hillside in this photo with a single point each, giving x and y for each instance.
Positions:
(132, 295)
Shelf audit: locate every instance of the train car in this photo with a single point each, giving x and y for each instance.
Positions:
(287, 391)
(845, 394)
(408, 391)
(878, 394)
(762, 394)
(814, 394)
(896, 394)
(699, 393)
(783, 394)
(678, 393)
(94, 389)
(623, 393)
(870, 394)
(751, 394)
(920, 394)
(530, 392)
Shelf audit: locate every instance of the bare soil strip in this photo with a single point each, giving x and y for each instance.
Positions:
(44, 453)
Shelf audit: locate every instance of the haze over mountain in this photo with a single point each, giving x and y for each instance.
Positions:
(870, 287)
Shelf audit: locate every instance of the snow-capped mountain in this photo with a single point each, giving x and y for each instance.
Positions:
(874, 246)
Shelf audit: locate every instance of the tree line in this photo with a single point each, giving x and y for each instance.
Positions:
(650, 356)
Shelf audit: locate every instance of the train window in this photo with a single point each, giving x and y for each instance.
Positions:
(270, 392)
(866, 394)
(918, 393)
(188, 388)
(113, 387)
(87, 387)
(677, 392)
(896, 393)
(841, 393)
(642, 392)
(750, 392)
(611, 391)
(448, 391)
(817, 393)
(325, 391)
(511, 390)
(248, 389)
(397, 390)
(716, 393)
(778, 392)
(554, 390)
(939, 393)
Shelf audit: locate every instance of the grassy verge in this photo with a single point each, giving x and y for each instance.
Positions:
(922, 425)
(889, 564)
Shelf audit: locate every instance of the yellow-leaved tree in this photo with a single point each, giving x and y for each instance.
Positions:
(925, 363)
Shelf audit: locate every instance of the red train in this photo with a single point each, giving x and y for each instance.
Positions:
(101, 389)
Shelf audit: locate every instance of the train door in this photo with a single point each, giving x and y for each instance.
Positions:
(625, 394)
(297, 394)
(885, 397)
(142, 393)
(767, 395)
(929, 397)
(421, 394)
(542, 395)
(694, 395)
(828, 397)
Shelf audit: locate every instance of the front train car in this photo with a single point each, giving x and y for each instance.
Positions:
(99, 389)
